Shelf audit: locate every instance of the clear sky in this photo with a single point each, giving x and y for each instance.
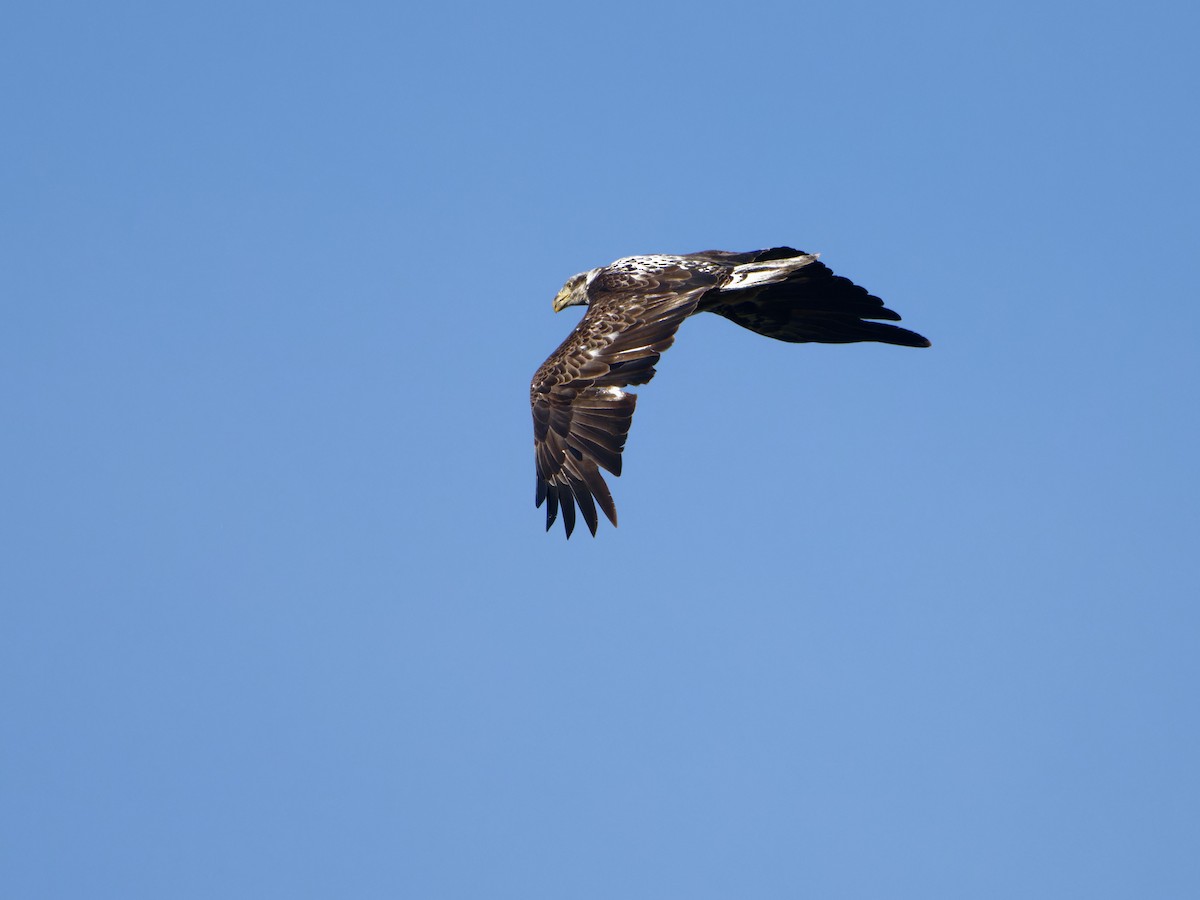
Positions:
(278, 616)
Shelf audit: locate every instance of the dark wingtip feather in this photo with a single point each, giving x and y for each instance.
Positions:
(587, 505)
(902, 336)
(567, 502)
(600, 491)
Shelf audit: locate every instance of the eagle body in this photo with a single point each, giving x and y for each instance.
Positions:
(581, 414)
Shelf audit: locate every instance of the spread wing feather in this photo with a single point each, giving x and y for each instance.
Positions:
(811, 304)
(581, 417)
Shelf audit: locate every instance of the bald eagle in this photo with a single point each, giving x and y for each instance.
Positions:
(581, 415)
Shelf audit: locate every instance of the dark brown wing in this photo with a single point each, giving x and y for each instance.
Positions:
(812, 304)
(581, 416)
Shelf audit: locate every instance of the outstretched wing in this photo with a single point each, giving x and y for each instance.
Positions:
(810, 304)
(581, 416)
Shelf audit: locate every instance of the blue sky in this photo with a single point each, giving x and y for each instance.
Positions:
(279, 617)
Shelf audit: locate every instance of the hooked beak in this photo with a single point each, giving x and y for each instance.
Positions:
(560, 301)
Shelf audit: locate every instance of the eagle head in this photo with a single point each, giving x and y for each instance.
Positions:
(575, 291)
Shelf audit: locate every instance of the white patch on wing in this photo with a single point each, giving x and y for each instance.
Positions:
(768, 272)
(611, 392)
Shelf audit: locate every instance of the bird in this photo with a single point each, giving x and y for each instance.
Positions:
(635, 305)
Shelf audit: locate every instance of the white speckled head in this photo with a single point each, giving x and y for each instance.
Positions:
(574, 292)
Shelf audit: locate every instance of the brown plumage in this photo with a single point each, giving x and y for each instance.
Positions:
(581, 416)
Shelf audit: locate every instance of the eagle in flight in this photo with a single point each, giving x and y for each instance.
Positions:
(581, 415)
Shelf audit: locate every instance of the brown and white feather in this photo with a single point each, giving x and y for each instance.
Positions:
(581, 415)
